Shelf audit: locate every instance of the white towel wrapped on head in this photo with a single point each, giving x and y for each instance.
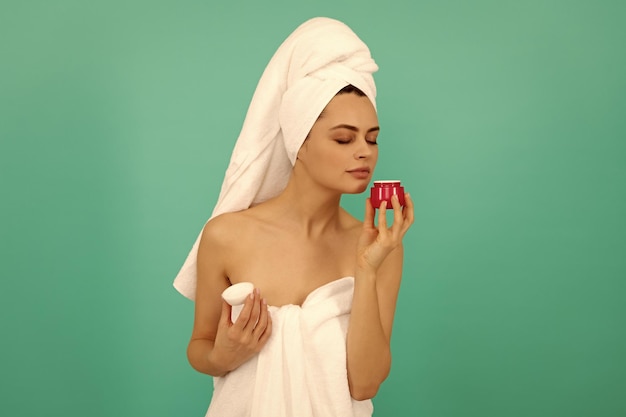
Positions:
(316, 61)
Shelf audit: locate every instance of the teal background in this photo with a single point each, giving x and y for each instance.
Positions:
(506, 120)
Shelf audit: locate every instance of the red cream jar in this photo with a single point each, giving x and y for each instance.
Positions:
(383, 190)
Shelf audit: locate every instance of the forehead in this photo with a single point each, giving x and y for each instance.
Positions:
(349, 109)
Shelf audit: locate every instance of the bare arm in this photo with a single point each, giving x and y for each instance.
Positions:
(218, 345)
(377, 281)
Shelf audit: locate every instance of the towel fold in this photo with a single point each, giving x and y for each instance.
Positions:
(301, 371)
(316, 61)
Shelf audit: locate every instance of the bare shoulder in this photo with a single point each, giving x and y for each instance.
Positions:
(351, 224)
(220, 246)
(225, 229)
(349, 219)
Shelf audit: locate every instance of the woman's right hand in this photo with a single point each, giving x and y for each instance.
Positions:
(237, 342)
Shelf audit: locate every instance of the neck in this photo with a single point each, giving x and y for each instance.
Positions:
(309, 207)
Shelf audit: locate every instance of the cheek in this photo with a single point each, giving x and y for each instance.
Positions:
(373, 155)
(315, 156)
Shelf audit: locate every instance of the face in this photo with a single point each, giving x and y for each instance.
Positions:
(341, 150)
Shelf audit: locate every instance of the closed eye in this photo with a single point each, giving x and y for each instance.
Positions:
(372, 139)
(343, 141)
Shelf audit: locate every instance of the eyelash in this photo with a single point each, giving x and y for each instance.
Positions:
(347, 141)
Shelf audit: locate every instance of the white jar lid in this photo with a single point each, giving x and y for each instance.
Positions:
(236, 294)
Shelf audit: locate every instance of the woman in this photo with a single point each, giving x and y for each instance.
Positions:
(314, 337)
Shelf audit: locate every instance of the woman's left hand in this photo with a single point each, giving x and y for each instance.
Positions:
(376, 242)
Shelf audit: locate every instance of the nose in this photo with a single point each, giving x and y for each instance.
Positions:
(363, 149)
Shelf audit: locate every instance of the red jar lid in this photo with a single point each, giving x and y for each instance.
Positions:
(387, 183)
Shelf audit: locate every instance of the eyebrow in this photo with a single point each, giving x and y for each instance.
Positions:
(354, 128)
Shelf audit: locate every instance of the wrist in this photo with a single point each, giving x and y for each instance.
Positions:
(218, 363)
(364, 266)
(365, 272)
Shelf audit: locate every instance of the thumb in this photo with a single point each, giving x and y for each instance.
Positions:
(225, 316)
(370, 213)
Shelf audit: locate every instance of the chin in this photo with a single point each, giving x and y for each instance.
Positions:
(356, 189)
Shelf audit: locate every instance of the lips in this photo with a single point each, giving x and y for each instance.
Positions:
(365, 170)
(360, 173)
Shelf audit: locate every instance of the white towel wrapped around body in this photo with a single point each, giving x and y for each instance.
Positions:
(316, 61)
(301, 371)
